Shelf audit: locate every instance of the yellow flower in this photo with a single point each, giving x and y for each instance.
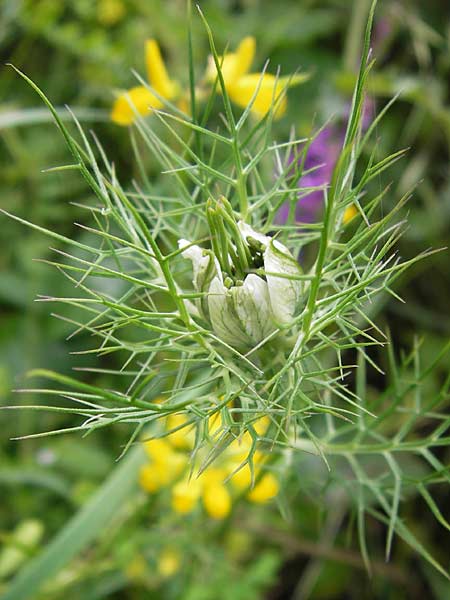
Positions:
(349, 213)
(209, 487)
(262, 425)
(110, 12)
(217, 501)
(183, 437)
(234, 64)
(267, 486)
(241, 85)
(139, 99)
(168, 467)
(185, 495)
(168, 563)
(242, 478)
(266, 489)
(216, 498)
(165, 467)
(150, 478)
(157, 449)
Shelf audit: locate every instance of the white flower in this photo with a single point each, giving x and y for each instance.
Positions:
(224, 319)
(252, 305)
(244, 313)
(241, 316)
(204, 267)
(279, 265)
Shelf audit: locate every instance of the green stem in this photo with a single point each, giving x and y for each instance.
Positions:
(354, 33)
(241, 179)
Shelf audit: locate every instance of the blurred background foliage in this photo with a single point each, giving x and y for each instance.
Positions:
(79, 52)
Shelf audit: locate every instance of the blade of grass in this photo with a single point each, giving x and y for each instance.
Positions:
(81, 530)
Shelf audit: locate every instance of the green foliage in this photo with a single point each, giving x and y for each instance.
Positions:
(350, 445)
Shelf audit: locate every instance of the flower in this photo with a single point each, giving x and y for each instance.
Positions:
(245, 309)
(139, 99)
(168, 467)
(319, 162)
(320, 159)
(262, 90)
(110, 12)
(169, 562)
(349, 213)
(241, 86)
(18, 545)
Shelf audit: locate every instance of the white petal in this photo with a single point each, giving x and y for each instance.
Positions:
(284, 293)
(200, 261)
(222, 314)
(252, 305)
(204, 267)
(247, 232)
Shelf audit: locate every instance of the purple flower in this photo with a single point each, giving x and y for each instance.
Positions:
(320, 160)
(323, 152)
(318, 167)
(319, 163)
(382, 31)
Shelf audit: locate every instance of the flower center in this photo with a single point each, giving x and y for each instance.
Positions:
(236, 254)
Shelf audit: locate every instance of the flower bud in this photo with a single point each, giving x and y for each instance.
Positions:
(204, 268)
(279, 266)
(241, 316)
(243, 311)
(284, 292)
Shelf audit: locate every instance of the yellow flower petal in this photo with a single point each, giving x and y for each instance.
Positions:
(349, 213)
(156, 71)
(137, 100)
(266, 489)
(176, 464)
(214, 425)
(242, 479)
(262, 425)
(166, 465)
(245, 54)
(184, 105)
(185, 495)
(270, 92)
(240, 448)
(158, 449)
(293, 80)
(182, 438)
(168, 562)
(228, 68)
(217, 501)
(110, 12)
(212, 476)
(234, 64)
(150, 478)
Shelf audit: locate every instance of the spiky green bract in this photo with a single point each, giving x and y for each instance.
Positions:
(133, 287)
(379, 462)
